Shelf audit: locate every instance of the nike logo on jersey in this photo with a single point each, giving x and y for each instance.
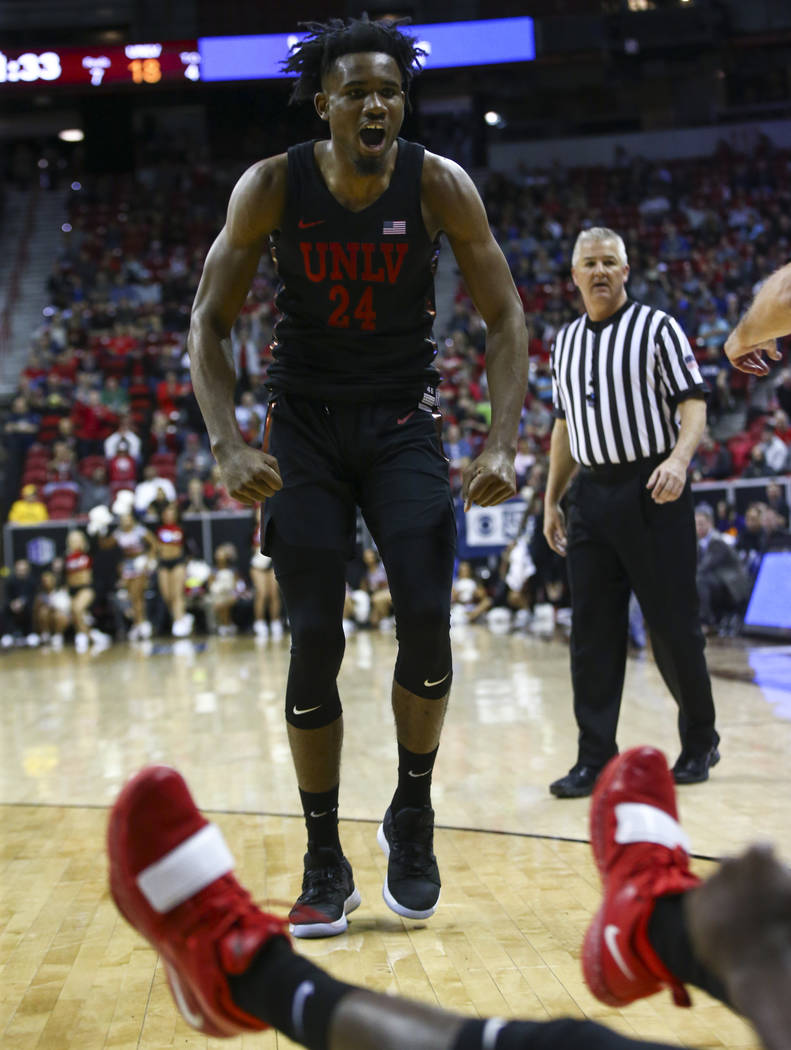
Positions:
(304, 710)
(439, 681)
(306, 225)
(611, 940)
(409, 415)
(425, 774)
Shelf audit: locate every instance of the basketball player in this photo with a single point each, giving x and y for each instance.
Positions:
(768, 318)
(353, 222)
(231, 968)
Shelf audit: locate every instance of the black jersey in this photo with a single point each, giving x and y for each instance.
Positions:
(357, 292)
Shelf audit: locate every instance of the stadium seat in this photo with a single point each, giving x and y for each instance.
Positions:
(62, 504)
(88, 464)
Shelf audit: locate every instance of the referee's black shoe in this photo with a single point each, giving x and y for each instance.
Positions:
(412, 884)
(694, 769)
(577, 783)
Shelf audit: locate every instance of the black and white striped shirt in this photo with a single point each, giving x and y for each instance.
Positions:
(617, 383)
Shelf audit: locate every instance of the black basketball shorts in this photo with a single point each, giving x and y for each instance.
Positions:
(385, 458)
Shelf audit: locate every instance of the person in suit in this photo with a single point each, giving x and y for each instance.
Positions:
(723, 584)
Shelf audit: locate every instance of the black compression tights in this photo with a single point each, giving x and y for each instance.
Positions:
(420, 573)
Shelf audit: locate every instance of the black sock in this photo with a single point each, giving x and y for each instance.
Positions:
(414, 779)
(321, 818)
(667, 932)
(290, 993)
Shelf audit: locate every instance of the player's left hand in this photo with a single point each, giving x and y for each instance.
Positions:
(667, 481)
(489, 479)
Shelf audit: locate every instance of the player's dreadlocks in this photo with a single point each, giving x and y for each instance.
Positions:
(327, 41)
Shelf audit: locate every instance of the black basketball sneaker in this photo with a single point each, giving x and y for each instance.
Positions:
(328, 895)
(412, 884)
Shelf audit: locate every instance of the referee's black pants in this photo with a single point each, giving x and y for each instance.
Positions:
(620, 540)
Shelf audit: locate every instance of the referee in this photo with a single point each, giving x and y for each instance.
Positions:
(630, 411)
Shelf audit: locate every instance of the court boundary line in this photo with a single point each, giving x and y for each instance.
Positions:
(346, 820)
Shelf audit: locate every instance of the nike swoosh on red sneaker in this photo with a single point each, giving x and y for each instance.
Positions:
(190, 1016)
(409, 415)
(611, 940)
(306, 225)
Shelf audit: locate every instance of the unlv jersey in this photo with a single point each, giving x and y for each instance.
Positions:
(357, 292)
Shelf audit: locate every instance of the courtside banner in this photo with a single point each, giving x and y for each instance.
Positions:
(486, 530)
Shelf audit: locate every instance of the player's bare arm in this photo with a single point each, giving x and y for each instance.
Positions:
(451, 204)
(668, 479)
(562, 467)
(254, 211)
(768, 318)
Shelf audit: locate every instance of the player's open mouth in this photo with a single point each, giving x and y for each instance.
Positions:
(372, 137)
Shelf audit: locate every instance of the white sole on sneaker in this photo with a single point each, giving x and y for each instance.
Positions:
(387, 896)
(328, 929)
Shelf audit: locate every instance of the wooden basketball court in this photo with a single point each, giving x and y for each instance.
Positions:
(519, 885)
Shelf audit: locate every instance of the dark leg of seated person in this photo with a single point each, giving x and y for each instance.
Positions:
(231, 967)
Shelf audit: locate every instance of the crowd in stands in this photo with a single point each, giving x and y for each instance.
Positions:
(105, 405)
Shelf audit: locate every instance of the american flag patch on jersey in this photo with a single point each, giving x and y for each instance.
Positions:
(397, 228)
(690, 360)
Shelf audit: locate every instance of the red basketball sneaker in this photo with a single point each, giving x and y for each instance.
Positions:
(642, 853)
(170, 875)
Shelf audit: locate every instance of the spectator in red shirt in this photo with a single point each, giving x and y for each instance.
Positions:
(122, 469)
(711, 460)
(93, 423)
(170, 393)
(65, 365)
(35, 370)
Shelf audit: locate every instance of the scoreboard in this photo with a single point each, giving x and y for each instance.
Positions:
(143, 64)
(444, 45)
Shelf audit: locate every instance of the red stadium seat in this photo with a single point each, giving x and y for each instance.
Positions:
(740, 446)
(48, 428)
(35, 475)
(88, 464)
(164, 460)
(62, 504)
(37, 453)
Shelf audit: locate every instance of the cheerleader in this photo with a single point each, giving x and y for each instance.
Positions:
(171, 572)
(266, 593)
(78, 568)
(136, 545)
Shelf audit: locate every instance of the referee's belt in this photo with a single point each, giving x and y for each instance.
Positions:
(612, 473)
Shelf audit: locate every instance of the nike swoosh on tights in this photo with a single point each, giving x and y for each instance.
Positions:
(323, 813)
(306, 225)
(425, 774)
(409, 415)
(611, 940)
(439, 681)
(305, 710)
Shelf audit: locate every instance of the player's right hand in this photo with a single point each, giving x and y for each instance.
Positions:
(250, 475)
(555, 528)
(751, 359)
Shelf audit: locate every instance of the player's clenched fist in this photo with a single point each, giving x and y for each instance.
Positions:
(249, 474)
